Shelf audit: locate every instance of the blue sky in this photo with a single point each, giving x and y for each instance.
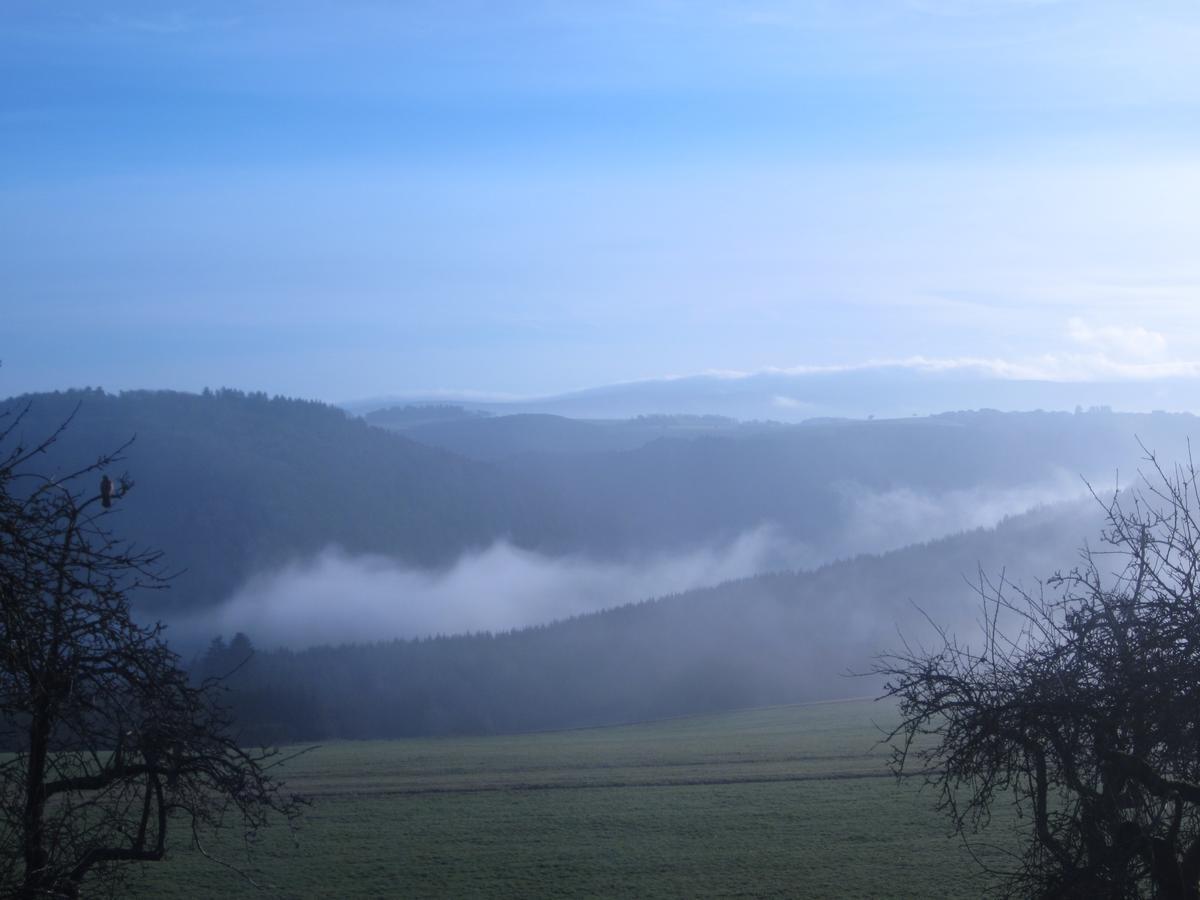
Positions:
(347, 199)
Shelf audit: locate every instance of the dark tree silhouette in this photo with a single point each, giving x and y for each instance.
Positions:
(1081, 708)
(108, 743)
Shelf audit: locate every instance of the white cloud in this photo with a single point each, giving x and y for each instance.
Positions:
(1081, 367)
(1066, 367)
(335, 597)
(785, 402)
(878, 517)
(1130, 342)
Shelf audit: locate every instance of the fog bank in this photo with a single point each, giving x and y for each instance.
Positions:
(337, 597)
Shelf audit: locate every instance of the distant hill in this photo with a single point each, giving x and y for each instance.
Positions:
(401, 417)
(883, 391)
(228, 484)
(775, 638)
(496, 437)
(836, 486)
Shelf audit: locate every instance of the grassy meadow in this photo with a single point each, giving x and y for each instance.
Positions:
(781, 802)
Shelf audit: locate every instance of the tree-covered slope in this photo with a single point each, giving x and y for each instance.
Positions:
(227, 484)
(818, 482)
(774, 638)
(493, 438)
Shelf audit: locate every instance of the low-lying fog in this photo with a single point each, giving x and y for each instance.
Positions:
(335, 597)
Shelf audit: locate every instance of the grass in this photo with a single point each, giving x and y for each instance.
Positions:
(781, 802)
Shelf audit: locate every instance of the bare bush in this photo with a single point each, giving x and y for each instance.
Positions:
(1080, 708)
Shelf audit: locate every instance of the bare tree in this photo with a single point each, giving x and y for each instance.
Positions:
(109, 743)
(1081, 708)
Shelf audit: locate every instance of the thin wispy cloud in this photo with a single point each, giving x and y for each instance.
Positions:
(1131, 342)
(1104, 353)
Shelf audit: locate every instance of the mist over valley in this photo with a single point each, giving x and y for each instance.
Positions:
(451, 564)
(334, 597)
(253, 499)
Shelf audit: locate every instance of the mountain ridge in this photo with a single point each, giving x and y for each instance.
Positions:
(884, 390)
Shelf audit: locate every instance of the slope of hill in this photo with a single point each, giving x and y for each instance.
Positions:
(776, 638)
(839, 486)
(498, 437)
(228, 484)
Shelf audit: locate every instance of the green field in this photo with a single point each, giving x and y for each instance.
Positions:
(782, 802)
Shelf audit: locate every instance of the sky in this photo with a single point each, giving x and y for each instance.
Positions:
(347, 199)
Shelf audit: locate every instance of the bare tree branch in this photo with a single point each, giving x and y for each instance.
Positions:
(1083, 708)
(110, 742)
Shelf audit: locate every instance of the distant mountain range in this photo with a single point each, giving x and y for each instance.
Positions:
(883, 391)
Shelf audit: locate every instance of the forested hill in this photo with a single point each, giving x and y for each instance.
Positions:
(232, 485)
(485, 437)
(228, 484)
(671, 482)
(774, 638)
